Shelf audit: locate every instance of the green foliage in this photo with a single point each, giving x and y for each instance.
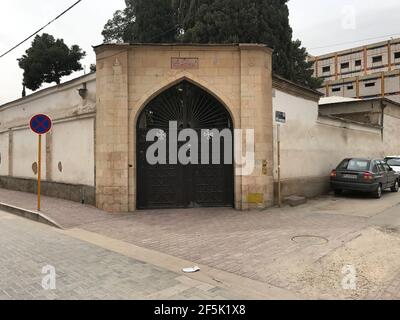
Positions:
(143, 21)
(301, 69)
(216, 21)
(47, 60)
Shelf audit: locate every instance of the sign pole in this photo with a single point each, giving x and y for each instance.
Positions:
(40, 124)
(39, 170)
(279, 165)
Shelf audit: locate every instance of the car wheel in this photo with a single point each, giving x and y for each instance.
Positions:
(337, 192)
(395, 188)
(378, 192)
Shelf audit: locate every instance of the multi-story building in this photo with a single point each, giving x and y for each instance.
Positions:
(363, 72)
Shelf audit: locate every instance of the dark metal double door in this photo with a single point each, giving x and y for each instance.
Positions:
(178, 185)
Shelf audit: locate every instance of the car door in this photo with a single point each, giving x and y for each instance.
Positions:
(382, 177)
(391, 177)
(376, 170)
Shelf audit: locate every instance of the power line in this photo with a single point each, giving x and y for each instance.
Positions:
(36, 32)
(351, 42)
(164, 33)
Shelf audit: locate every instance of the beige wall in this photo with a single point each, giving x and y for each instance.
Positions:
(70, 141)
(4, 150)
(128, 77)
(73, 149)
(24, 154)
(392, 127)
(312, 146)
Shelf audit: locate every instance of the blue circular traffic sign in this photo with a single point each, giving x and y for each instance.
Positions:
(40, 124)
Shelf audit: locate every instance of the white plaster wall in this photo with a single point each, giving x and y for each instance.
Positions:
(73, 146)
(392, 135)
(299, 111)
(25, 153)
(312, 146)
(72, 140)
(57, 102)
(4, 154)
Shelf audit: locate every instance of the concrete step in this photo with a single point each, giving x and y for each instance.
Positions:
(295, 201)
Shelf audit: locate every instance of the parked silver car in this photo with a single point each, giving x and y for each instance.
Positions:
(394, 162)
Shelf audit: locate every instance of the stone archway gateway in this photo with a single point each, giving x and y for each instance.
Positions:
(196, 184)
(170, 80)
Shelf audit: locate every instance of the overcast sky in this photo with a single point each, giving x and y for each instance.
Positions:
(322, 25)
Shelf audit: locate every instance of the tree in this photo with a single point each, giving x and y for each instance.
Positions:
(143, 21)
(217, 21)
(47, 60)
(252, 21)
(302, 68)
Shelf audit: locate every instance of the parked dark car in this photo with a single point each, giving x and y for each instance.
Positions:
(365, 175)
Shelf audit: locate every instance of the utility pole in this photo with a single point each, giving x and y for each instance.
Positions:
(278, 128)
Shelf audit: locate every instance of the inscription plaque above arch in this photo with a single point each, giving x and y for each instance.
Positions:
(184, 63)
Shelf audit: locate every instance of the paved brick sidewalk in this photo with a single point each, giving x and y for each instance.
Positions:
(258, 245)
(67, 213)
(84, 271)
(250, 244)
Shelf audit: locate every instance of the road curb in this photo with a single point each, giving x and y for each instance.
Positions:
(246, 288)
(31, 215)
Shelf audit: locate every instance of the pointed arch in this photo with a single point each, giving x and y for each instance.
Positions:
(165, 85)
(172, 184)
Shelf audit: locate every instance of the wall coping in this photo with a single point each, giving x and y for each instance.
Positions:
(48, 91)
(384, 101)
(194, 46)
(340, 121)
(295, 89)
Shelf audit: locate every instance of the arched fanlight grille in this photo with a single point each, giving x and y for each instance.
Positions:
(189, 106)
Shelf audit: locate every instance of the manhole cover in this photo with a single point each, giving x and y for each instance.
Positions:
(310, 240)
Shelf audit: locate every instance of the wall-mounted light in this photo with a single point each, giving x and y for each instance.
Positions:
(83, 91)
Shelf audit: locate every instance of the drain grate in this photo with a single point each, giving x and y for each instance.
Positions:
(310, 240)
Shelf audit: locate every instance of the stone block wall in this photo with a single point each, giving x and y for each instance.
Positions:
(129, 76)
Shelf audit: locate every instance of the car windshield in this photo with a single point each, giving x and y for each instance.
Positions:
(393, 162)
(355, 165)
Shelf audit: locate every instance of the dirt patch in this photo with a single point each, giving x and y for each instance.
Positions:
(373, 256)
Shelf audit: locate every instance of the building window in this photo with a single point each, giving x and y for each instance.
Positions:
(376, 59)
(358, 63)
(370, 84)
(397, 55)
(337, 89)
(350, 87)
(345, 65)
(326, 69)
